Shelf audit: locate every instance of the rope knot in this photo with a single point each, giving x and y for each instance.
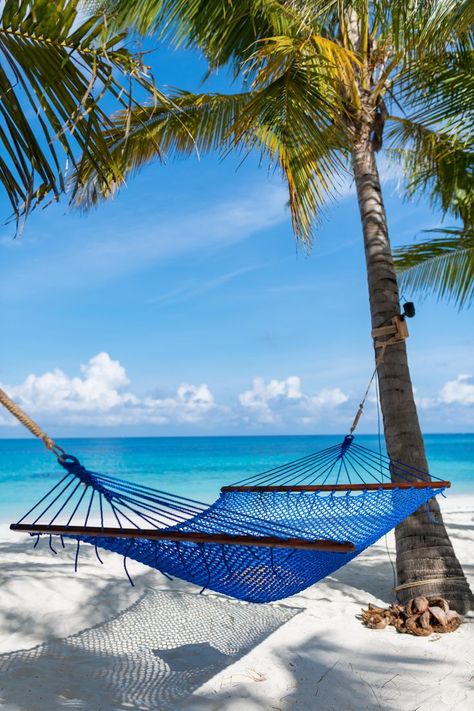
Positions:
(73, 466)
(348, 439)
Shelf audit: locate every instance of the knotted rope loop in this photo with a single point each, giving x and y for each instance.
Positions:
(30, 425)
(348, 439)
(73, 466)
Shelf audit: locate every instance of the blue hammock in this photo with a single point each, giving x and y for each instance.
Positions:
(265, 538)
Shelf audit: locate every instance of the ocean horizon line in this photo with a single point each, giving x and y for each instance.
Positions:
(228, 436)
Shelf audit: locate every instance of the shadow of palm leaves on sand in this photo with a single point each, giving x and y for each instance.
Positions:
(150, 657)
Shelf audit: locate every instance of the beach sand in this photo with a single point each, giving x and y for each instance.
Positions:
(89, 641)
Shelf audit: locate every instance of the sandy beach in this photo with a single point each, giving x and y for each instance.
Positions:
(92, 642)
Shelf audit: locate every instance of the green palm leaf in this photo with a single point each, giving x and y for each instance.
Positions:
(292, 115)
(56, 66)
(184, 124)
(225, 31)
(444, 266)
(437, 164)
(305, 66)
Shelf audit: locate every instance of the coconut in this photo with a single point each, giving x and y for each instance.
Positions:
(424, 620)
(420, 604)
(421, 616)
(453, 615)
(439, 615)
(439, 602)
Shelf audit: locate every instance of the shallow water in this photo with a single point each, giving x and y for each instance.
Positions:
(194, 466)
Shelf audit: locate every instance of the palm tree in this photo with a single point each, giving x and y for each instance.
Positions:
(58, 65)
(323, 85)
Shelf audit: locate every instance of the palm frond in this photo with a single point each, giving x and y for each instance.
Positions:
(443, 266)
(182, 124)
(449, 19)
(305, 66)
(296, 120)
(437, 164)
(225, 31)
(56, 66)
(437, 90)
(293, 116)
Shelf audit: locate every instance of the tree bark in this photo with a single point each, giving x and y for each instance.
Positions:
(424, 550)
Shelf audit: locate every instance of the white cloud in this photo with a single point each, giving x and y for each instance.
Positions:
(100, 396)
(328, 397)
(424, 402)
(191, 404)
(263, 397)
(275, 400)
(459, 391)
(100, 388)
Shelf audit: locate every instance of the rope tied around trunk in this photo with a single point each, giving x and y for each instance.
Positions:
(407, 586)
(30, 424)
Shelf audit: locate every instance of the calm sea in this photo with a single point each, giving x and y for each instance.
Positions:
(194, 466)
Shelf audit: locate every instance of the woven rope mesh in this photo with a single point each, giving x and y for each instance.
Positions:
(265, 574)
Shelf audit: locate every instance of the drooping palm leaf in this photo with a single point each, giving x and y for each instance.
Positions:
(185, 124)
(438, 90)
(438, 165)
(448, 19)
(291, 115)
(444, 266)
(305, 66)
(56, 66)
(224, 30)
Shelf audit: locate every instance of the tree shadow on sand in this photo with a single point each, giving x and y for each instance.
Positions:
(330, 672)
(151, 656)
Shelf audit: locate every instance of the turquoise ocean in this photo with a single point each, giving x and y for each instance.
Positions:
(194, 466)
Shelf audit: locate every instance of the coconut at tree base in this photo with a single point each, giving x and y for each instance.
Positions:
(420, 616)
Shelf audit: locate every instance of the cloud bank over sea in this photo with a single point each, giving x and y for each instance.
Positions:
(101, 394)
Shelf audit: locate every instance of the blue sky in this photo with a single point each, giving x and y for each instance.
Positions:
(185, 307)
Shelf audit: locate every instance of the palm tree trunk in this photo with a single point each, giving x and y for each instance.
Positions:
(424, 550)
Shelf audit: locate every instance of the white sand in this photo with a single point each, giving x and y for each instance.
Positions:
(89, 641)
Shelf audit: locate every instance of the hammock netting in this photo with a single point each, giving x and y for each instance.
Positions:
(265, 538)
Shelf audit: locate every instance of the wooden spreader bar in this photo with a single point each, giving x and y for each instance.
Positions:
(192, 537)
(342, 487)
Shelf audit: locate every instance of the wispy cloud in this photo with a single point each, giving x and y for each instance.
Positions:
(79, 259)
(196, 288)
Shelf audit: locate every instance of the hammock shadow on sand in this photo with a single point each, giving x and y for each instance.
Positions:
(150, 657)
